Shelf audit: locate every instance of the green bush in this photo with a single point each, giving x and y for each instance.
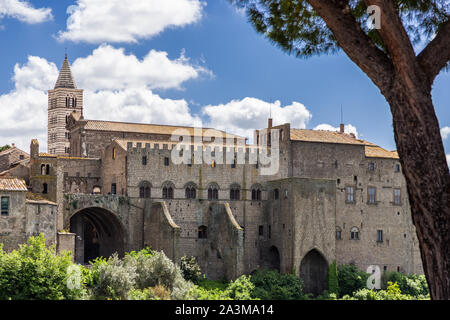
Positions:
(392, 292)
(414, 285)
(34, 272)
(190, 268)
(239, 289)
(351, 279)
(271, 285)
(157, 269)
(333, 284)
(115, 279)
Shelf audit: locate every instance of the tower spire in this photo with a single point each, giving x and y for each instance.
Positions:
(65, 78)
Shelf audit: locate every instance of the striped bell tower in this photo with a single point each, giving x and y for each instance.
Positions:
(64, 99)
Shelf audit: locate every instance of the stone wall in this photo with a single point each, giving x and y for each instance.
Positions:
(160, 231)
(26, 218)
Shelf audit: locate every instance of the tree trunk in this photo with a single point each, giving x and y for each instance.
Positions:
(425, 168)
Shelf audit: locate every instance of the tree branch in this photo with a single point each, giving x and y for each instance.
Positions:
(354, 41)
(436, 54)
(396, 40)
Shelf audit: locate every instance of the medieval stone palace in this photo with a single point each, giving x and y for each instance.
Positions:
(106, 187)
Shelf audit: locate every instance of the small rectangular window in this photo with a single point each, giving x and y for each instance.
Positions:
(371, 166)
(379, 235)
(144, 160)
(5, 206)
(113, 188)
(350, 197)
(261, 231)
(166, 161)
(397, 167)
(371, 195)
(397, 196)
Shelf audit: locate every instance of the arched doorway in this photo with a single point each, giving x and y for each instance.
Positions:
(274, 259)
(314, 271)
(99, 233)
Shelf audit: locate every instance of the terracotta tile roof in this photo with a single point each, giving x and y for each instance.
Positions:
(10, 150)
(36, 198)
(378, 152)
(47, 155)
(99, 125)
(12, 184)
(325, 137)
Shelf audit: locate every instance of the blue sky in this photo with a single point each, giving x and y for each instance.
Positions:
(227, 76)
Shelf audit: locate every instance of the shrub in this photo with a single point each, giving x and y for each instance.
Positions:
(414, 285)
(190, 268)
(392, 292)
(271, 285)
(241, 288)
(157, 269)
(147, 252)
(333, 285)
(156, 293)
(35, 272)
(350, 279)
(115, 279)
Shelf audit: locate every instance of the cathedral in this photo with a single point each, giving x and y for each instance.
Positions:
(295, 200)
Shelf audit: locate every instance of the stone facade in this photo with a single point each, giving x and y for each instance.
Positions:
(12, 157)
(332, 197)
(22, 218)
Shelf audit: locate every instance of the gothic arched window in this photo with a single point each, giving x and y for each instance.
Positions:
(213, 191)
(144, 190)
(191, 191)
(235, 192)
(203, 232)
(354, 233)
(256, 192)
(168, 188)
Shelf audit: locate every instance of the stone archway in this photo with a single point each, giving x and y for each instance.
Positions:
(99, 233)
(314, 272)
(274, 259)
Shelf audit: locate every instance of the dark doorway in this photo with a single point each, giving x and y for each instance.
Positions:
(99, 233)
(314, 271)
(274, 259)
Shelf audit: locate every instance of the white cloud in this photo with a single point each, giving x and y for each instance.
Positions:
(445, 132)
(97, 21)
(108, 68)
(348, 128)
(243, 116)
(24, 109)
(107, 96)
(24, 11)
(137, 105)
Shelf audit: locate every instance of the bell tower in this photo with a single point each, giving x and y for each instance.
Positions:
(63, 100)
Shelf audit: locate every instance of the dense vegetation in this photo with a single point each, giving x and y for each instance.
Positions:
(5, 147)
(34, 272)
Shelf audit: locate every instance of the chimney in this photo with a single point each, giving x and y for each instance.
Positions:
(13, 145)
(341, 128)
(34, 149)
(270, 123)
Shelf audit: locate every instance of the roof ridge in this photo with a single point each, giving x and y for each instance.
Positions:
(153, 124)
